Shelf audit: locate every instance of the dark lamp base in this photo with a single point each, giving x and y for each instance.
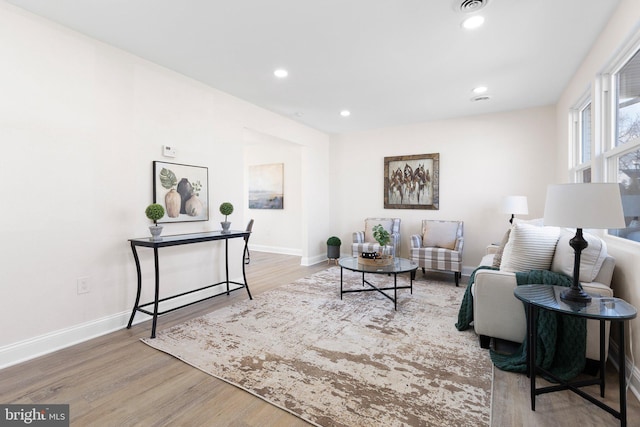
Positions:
(575, 295)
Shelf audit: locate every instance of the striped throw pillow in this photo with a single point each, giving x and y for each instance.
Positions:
(529, 248)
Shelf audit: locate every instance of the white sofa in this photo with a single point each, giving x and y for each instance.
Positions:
(498, 314)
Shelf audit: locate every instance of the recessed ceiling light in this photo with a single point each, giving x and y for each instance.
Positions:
(281, 73)
(480, 89)
(473, 22)
(345, 113)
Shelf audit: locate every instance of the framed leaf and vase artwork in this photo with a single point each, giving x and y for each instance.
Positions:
(183, 191)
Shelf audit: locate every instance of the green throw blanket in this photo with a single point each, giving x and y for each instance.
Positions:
(561, 339)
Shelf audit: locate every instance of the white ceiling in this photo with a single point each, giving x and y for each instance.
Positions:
(390, 62)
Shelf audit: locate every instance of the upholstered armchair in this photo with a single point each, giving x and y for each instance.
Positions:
(439, 246)
(363, 241)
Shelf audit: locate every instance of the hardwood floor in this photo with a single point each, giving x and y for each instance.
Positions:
(116, 380)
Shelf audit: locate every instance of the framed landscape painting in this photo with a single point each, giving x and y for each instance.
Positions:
(182, 190)
(412, 182)
(266, 186)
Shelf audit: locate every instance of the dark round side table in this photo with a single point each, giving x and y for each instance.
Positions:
(614, 310)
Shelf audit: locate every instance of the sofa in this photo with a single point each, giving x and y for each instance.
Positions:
(496, 311)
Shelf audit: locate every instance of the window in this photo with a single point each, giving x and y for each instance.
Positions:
(581, 163)
(623, 153)
(627, 82)
(585, 134)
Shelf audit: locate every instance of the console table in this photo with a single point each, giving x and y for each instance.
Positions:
(176, 240)
(614, 310)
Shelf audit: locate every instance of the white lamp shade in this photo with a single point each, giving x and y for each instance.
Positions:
(585, 205)
(515, 205)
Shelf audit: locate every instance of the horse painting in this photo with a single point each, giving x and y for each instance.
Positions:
(410, 182)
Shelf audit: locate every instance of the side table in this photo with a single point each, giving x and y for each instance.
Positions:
(614, 310)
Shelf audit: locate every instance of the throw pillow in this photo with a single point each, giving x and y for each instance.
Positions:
(497, 257)
(536, 221)
(529, 248)
(387, 224)
(591, 258)
(440, 234)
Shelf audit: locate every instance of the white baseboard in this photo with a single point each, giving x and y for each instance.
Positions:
(22, 351)
(275, 250)
(305, 261)
(633, 375)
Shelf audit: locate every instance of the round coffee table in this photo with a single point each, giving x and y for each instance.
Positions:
(399, 265)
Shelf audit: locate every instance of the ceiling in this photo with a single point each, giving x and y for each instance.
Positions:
(390, 62)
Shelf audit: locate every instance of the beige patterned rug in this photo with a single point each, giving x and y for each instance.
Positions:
(349, 362)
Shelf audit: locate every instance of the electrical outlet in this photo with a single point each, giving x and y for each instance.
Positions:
(83, 285)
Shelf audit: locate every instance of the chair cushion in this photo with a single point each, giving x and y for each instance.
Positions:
(386, 223)
(591, 258)
(529, 248)
(439, 234)
(436, 253)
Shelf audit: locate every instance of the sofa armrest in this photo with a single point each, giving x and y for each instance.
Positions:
(491, 249)
(416, 241)
(496, 311)
(358, 237)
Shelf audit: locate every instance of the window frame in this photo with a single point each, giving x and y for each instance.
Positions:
(608, 152)
(578, 167)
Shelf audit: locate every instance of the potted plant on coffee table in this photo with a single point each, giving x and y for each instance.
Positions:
(383, 238)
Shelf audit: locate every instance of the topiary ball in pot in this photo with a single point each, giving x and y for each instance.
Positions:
(155, 212)
(226, 209)
(333, 247)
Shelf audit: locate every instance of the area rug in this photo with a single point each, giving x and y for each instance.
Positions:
(349, 362)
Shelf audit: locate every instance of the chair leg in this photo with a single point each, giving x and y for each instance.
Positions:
(247, 256)
(424, 271)
(457, 275)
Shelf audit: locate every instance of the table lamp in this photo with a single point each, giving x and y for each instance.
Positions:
(592, 205)
(515, 205)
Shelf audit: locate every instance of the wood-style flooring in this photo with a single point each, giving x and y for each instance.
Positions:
(116, 380)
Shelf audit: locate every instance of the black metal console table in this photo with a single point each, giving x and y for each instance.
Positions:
(614, 310)
(184, 239)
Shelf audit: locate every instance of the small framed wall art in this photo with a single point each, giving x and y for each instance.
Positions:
(266, 186)
(183, 191)
(412, 182)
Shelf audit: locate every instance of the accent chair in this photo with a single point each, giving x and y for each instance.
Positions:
(247, 255)
(363, 241)
(439, 247)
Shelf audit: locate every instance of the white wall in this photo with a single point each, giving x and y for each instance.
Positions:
(276, 230)
(482, 159)
(621, 28)
(80, 124)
